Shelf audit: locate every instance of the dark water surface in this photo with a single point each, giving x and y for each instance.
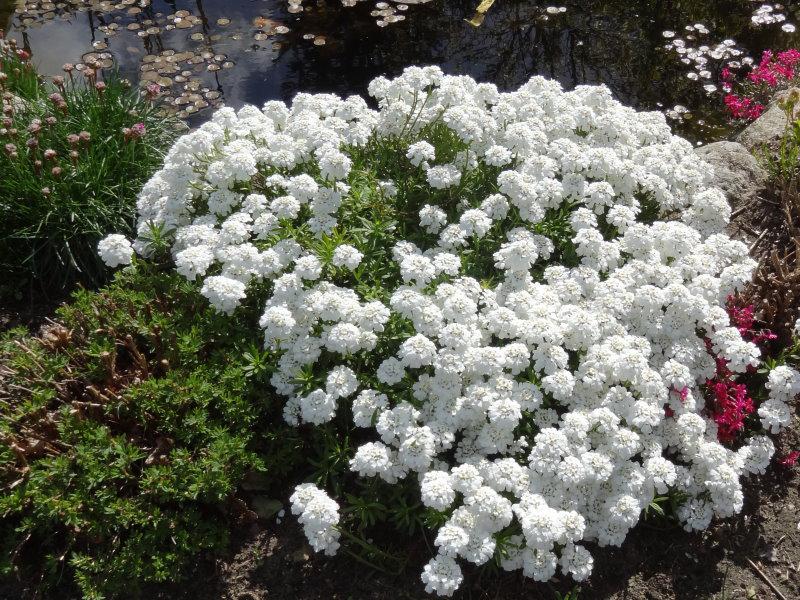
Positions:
(249, 51)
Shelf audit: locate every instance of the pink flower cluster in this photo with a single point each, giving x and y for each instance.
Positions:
(741, 107)
(729, 402)
(775, 68)
(774, 71)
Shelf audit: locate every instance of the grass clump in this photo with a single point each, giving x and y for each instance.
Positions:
(73, 155)
(126, 430)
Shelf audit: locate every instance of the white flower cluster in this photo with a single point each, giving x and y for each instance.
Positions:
(115, 250)
(319, 516)
(783, 385)
(552, 399)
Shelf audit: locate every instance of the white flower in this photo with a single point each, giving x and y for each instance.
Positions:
(437, 490)
(498, 156)
(372, 459)
(443, 176)
(224, 293)
(194, 261)
(366, 406)
(285, 207)
(783, 383)
(341, 382)
(442, 576)
(432, 218)
(319, 516)
(775, 415)
(475, 222)
(347, 256)
(420, 152)
(417, 351)
(318, 407)
(390, 371)
(115, 250)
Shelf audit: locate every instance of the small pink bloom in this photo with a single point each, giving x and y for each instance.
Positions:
(790, 459)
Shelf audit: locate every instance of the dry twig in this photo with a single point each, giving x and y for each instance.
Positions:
(766, 580)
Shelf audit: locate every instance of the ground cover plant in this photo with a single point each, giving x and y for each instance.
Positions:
(73, 154)
(125, 431)
(524, 304)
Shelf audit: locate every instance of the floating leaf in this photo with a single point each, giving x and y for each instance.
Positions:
(480, 13)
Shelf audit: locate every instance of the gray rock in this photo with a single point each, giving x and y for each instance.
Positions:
(768, 129)
(265, 507)
(736, 171)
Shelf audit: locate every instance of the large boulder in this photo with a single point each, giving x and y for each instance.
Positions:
(768, 129)
(736, 171)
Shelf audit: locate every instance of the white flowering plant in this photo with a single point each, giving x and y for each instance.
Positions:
(508, 303)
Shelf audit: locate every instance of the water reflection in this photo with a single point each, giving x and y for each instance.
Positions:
(245, 51)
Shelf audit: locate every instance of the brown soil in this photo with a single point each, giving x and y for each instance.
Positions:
(658, 561)
(31, 314)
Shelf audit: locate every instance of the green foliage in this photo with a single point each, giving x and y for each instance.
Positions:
(20, 78)
(56, 207)
(125, 432)
(570, 595)
(783, 163)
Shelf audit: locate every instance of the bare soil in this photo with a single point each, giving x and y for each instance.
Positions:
(658, 561)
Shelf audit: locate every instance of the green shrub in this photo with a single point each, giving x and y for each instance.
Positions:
(125, 432)
(70, 173)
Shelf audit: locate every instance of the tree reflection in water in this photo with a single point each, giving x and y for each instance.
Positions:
(615, 42)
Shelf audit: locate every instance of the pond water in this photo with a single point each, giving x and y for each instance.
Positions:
(205, 52)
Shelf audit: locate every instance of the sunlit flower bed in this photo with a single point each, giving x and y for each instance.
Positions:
(518, 296)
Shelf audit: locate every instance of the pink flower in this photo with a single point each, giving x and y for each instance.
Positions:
(744, 319)
(789, 460)
(743, 108)
(134, 132)
(728, 401)
(153, 90)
